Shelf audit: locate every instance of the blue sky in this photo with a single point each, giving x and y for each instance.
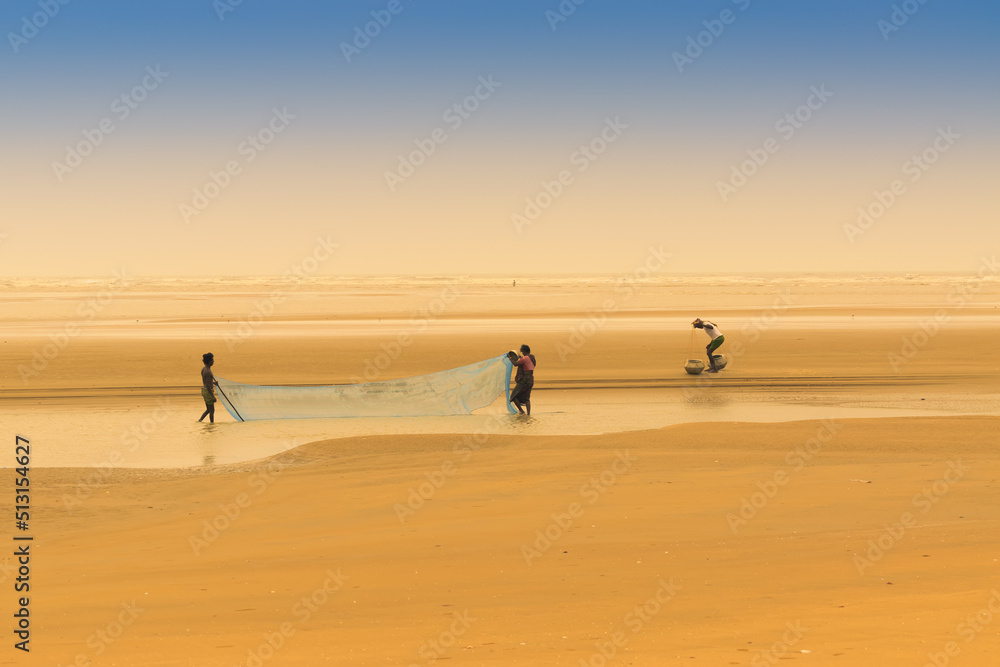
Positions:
(658, 183)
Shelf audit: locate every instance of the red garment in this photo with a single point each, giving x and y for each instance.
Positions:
(527, 363)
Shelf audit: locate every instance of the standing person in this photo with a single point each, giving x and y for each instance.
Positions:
(717, 340)
(524, 380)
(207, 387)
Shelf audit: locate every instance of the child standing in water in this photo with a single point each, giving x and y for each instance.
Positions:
(208, 387)
(524, 380)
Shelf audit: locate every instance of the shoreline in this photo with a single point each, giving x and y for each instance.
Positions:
(306, 449)
(197, 550)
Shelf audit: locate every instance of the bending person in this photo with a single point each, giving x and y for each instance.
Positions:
(524, 380)
(717, 339)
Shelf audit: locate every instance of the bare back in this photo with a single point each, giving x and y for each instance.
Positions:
(207, 378)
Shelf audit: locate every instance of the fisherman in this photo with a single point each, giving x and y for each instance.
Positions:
(207, 387)
(717, 339)
(524, 380)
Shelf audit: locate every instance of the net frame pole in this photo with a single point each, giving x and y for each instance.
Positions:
(231, 404)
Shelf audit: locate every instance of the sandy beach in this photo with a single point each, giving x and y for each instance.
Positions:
(357, 210)
(627, 522)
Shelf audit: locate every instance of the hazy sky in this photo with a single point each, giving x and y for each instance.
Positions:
(192, 137)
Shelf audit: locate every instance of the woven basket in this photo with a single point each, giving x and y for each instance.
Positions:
(694, 366)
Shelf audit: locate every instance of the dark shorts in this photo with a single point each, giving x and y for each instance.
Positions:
(522, 390)
(209, 398)
(714, 345)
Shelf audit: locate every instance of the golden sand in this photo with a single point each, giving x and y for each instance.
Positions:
(828, 542)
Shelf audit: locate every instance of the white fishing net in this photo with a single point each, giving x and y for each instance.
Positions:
(458, 391)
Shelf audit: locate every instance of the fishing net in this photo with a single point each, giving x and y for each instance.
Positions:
(458, 391)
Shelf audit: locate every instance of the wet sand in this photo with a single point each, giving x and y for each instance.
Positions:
(548, 543)
(517, 544)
